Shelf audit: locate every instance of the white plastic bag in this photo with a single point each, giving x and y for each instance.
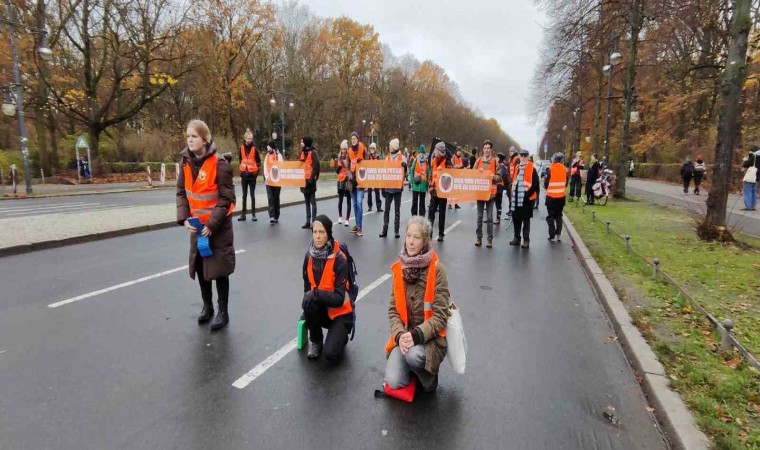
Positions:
(456, 351)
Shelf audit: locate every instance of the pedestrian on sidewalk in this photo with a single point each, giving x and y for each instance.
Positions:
(438, 162)
(393, 196)
(205, 191)
(687, 173)
(749, 186)
(699, 173)
(373, 156)
(486, 164)
(576, 177)
(250, 161)
(355, 156)
(555, 184)
(502, 169)
(311, 173)
(458, 162)
(593, 174)
(273, 192)
(325, 301)
(344, 185)
(524, 192)
(418, 311)
(419, 177)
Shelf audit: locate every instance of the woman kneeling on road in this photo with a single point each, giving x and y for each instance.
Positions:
(325, 301)
(418, 311)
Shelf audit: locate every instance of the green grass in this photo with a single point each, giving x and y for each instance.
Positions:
(719, 387)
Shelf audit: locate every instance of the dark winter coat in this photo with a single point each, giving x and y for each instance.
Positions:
(526, 211)
(593, 174)
(324, 299)
(256, 156)
(687, 170)
(222, 261)
(311, 183)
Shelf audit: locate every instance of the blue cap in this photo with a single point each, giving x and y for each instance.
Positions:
(422, 148)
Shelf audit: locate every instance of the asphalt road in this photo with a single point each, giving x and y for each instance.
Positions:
(129, 368)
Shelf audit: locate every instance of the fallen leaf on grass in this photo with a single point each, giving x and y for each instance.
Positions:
(707, 332)
(685, 334)
(733, 362)
(687, 310)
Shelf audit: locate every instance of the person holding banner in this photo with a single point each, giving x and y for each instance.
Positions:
(555, 183)
(457, 162)
(438, 204)
(344, 185)
(355, 156)
(273, 192)
(378, 192)
(417, 311)
(419, 177)
(311, 174)
(393, 196)
(525, 186)
(487, 164)
(250, 161)
(205, 193)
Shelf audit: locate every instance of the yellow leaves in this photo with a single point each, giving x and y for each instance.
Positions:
(73, 96)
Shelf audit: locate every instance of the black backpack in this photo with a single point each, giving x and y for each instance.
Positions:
(353, 288)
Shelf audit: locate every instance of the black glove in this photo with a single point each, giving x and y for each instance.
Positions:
(308, 296)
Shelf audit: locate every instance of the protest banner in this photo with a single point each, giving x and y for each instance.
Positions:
(287, 174)
(463, 185)
(380, 174)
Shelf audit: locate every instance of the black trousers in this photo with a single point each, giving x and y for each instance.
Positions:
(248, 183)
(396, 200)
(347, 194)
(575, 187)
(378, 194)
(337, 331)
(521, 225)
(273, 198)
(686, 182)
(222, 287)
(310, 200)
(418, 203)
(697, 181)
(438, 204)
(554, 218)
(499, 199)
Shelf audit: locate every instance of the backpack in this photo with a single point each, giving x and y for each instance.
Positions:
(352, 288)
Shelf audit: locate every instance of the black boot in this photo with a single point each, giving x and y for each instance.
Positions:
(241, 218)
(222, 319)
(207, 313)
(315, 349)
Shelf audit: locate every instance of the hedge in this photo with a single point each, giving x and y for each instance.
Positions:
(672, 172)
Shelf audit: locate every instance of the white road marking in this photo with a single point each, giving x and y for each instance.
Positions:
(18, 210)
(122, 285)
(275, 357)
(446, 231)
(72, 210)
(368, 213)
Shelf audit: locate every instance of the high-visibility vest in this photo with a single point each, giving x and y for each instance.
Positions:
(527, 180)
(354, 157)
(436, 169)
(421, 169)
(490, 170)
(248, 162)
(342, 173)
(557, 181)
(456, 161)
(575, 167)
(271, 158)
(309, 166)
(203, 194)
(399, 294)
(327, 283)
(514, 168)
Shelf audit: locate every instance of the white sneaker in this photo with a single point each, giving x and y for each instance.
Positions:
(340, 220)
(346, 222)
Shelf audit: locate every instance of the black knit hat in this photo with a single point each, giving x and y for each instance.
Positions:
(308, 141)
(327, 223)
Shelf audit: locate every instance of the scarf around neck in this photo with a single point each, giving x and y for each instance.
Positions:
(519, 188)
(323, 253)
(412, 266)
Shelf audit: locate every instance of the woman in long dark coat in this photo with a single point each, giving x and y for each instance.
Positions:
(593, 174)
(216, 219)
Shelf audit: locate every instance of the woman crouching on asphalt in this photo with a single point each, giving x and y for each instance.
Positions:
(325, 302)
(205, 192)
(418, 311)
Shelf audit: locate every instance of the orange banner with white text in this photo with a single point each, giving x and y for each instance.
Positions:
(378, 174)
(287, 174)
(463, 185)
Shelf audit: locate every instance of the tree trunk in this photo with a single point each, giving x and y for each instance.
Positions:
(597, 112)
(621, 168)
(730, 110)
(94, 141)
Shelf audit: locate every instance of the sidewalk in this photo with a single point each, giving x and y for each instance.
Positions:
(56, 230)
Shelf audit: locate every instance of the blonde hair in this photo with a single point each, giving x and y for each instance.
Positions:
(425, 226)
(201, 128)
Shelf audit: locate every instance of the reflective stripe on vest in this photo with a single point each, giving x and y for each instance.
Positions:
(203, 194)
(327, 283)
(421, 170)
(308, 168)
(557, 181)
(491, 170)
(248, 162)
(399, 294)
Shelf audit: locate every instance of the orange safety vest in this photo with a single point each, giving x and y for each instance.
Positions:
(574, 170)
(271, 159)
(343, 173)
(309, 166)
(399, 294)
(557, 181)
(527, 182)
(327, 283)
(491, 170)
(436, 169)
(456, 161)
(248, 162)
(421, 170)
(203, 194)
(355, 156)
(514, 168)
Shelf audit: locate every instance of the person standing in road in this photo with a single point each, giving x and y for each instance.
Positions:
(749, 186)
(525, 186)
(250, 161)
(419, 178)
(486, 164)
(687, 173)
(325, 301)
(458, 162)
(355, 156)
(438, 162)
(373, 156)
(273, 192)
(699, 173)
(555, 184)
(512, 166)
(205, 192)
(393, 195)
(344, 185)
(311, 173)
(473, 158)
(576, 177)
(591, 176)
(417, 311)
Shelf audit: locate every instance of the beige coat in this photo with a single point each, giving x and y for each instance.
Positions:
(435, 346)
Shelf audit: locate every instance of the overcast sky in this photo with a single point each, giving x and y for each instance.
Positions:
(489, 47)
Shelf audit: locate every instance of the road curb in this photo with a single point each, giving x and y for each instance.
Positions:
(672, 414)
(45, 245)
(74, 194)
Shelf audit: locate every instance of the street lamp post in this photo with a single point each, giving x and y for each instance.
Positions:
(284, 96)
